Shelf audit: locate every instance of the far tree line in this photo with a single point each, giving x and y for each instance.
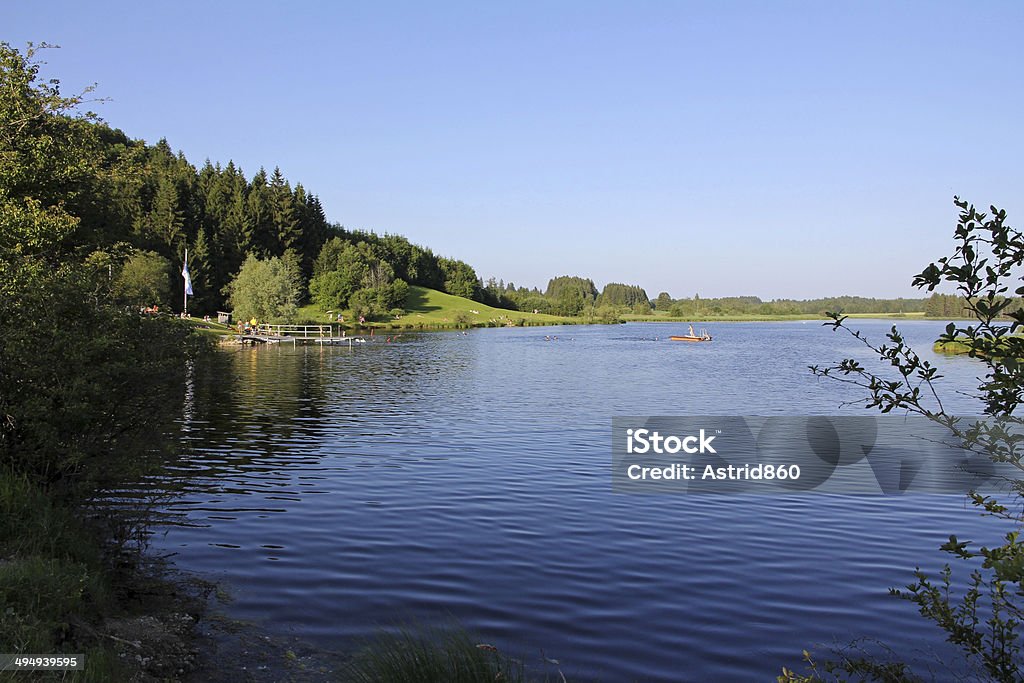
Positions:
(370, 275)
(571, 295)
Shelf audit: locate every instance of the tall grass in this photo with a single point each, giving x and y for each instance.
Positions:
(449, 655)
(51, 578)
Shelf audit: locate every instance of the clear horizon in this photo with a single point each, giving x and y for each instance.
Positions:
(683, 147)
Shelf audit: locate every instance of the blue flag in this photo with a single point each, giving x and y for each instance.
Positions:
(188, 279)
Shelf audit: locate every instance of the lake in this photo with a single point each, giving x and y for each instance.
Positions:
(451, 476)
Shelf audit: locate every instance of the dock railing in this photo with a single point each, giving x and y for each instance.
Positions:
(299, 331)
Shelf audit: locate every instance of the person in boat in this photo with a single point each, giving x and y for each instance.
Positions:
(691, 331)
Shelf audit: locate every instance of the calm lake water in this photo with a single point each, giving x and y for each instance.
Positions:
(448, 476)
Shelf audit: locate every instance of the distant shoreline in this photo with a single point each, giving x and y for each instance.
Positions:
(781, 318)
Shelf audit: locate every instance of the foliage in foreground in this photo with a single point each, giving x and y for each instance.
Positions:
(84, 391)
(981, 614)
(88, 392)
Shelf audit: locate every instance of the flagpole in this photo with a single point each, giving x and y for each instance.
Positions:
(185, 286)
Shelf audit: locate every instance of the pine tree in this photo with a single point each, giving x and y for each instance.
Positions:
(199, 266)
(314, 230)
(259, 213)
(166, 221)
(285, 215)
(236, 230)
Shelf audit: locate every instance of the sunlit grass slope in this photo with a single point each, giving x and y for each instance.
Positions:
(431, 308)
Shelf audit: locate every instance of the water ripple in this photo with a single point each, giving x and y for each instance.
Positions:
(336, 490)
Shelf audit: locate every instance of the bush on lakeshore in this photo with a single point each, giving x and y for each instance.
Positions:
(86, 391)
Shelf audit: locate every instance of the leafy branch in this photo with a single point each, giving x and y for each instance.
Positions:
(983, 617)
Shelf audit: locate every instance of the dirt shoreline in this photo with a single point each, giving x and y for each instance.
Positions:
(179, 631)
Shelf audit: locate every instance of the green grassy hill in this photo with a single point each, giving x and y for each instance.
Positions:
(429, 308)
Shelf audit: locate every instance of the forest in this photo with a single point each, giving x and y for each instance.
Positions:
(144, 206)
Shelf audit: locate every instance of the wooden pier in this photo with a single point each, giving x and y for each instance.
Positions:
(297, 334)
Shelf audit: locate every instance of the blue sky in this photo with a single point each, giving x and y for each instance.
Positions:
(782, 149)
